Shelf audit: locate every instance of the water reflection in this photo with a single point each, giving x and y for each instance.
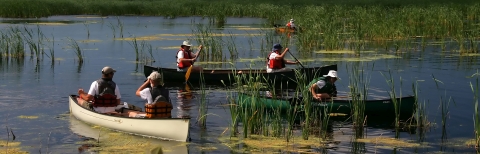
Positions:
(184, 102)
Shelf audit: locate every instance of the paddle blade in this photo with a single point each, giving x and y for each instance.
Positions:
(187, 75)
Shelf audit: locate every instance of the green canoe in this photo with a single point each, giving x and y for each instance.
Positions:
(375, 106)
(215, 77)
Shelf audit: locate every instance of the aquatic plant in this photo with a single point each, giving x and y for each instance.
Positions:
(444, 104)
(420, 116)
(358, 85)
(476, 115)
(76, 49)
(203, 107)
(393, 95)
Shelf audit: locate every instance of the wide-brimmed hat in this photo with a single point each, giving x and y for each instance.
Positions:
(108, 70)
(186, 43)
(332, 73)
(155, 76)
(291, 20)
(277, 47)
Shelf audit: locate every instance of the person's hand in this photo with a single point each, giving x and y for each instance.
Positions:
(296, 62)
(148, 80)
(200, 47)
(286, 49)
(80, 91)
(194, 59)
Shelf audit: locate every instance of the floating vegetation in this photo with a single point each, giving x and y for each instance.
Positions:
(27, 117)
(342, 52)
(115, 142)
(263, 143)
(168, 36)
(11, 147)
(49, 23)
(89, 41)
(171, 47)
(390, 142)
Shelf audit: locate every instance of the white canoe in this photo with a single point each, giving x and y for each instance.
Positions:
(176, 129)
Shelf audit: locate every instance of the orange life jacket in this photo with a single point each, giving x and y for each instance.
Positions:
(274, 63)
(106, 94)
(185, 55)
(159, 110)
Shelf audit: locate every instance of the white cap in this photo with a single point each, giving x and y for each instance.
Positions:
(186, 43)
(155, 75)
(331, 73)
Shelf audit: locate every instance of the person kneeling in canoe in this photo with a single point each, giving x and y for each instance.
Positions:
(103, 93)
(324, 87)
(158, 100)
(291, 25)
(276, 62)
(185, 58)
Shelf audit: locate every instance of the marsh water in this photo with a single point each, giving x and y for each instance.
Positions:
(40, 89)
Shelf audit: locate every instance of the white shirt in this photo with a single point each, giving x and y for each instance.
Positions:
(94, 91)
(320, 84)
(145, 95)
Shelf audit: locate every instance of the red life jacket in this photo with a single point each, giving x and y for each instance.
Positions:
(274, 63)
(182, 65)
(106, 94)
(289, 25)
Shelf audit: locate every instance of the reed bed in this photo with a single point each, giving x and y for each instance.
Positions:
(358, 85)
(330, 26)
(12, 43)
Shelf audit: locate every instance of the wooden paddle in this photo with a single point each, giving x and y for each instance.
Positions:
(296, 59)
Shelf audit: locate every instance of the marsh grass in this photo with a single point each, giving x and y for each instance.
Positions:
(476, 116)
(203, 106)
(35, 45)
(12, 43)
(444, 104)
(393, 95)
(358, 85)
(420, 114)
(76, 49)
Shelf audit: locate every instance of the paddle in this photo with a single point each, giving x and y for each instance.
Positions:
(296, 59)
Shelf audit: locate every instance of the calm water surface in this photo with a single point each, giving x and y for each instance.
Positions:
(41, 89)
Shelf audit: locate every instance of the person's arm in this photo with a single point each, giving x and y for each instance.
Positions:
(198, 52)
(291, 62)
(281, 55)
(143, 86)
(312, 90)
(91, 92)
(117, 93)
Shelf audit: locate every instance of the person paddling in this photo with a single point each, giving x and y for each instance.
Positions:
(291, 25)
(185, 58)
(276, 61)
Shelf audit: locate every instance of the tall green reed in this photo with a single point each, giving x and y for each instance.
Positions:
(359, 84)
(476, 115)
(444, 103)
(203, 106)
(393, 96)
(76, 49)
(420, 115)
